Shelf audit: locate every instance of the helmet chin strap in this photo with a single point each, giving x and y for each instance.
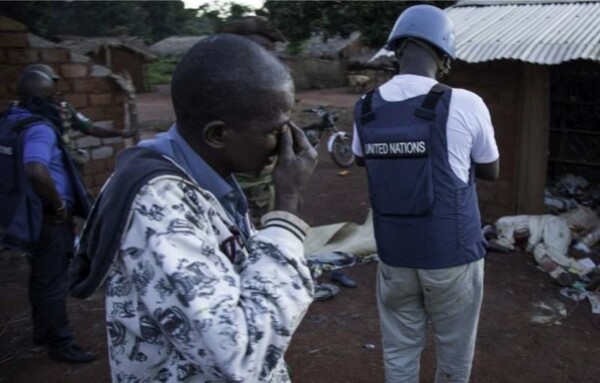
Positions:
(443, 65)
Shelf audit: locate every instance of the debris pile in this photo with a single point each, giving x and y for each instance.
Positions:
(571, 191)
(564, 244)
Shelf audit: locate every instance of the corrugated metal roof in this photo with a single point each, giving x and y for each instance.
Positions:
(541, 32)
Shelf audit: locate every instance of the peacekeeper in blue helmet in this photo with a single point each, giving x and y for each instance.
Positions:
(73, 119)
(423, 145)
(41, 193)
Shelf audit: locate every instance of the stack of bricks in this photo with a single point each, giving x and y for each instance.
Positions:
(88, 87)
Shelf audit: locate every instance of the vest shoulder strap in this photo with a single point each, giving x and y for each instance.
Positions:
(427, 108)
(366, 113)
(19, 124)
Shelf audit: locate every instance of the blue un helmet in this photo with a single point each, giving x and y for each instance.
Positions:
(46, 69)
(426, 23)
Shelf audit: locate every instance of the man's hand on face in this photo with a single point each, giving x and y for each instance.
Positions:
(296, 163)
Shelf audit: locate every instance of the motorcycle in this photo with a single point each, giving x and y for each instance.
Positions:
(339, 144)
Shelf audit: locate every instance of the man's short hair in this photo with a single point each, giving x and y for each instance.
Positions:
(252, 25)
(225, 77)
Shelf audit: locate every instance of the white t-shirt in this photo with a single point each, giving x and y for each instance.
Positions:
(470, 132)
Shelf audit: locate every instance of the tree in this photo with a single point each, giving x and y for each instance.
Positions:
(374, 19)
(152, 20)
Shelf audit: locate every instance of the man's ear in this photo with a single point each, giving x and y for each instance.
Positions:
(213, 134)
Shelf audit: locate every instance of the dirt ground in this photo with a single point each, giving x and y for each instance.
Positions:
(339, 339)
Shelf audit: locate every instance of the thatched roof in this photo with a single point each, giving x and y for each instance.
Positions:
(86, 45)
(175, 45)
(329, 48)
(318, 47)
(314, 47)
(36, 41)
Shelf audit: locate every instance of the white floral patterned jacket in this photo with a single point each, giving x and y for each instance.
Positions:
(188, 301)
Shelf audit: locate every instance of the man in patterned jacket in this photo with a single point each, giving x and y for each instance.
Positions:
(193, 292)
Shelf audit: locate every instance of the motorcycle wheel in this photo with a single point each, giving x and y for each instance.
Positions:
(341, 152)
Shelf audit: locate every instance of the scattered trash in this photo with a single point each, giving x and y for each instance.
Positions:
(335, 258)
(549, 238)
(551, 312)
(594, 298)
(343, 173)
(587, 263)
(318, 263)
(341, 278)
(369, 346)
(582, 247)
(571, 184)
(571, 188)
(325, 291)
(574, 294)
(591, 238)
(593, 295)
(562, 276)
(315, 350)
(559, 203)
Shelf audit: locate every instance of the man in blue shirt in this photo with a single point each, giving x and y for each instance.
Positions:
(71, 119)
(59, 193)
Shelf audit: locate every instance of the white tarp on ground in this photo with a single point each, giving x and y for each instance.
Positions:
(347, 237)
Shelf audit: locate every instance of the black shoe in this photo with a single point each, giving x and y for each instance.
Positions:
(342, 279)
(325, 291)
(39, 344)
(71, 354)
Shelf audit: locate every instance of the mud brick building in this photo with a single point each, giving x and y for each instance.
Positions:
(84, 84)
(117, 53)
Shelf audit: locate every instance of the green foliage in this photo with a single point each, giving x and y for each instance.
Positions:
(296, 47)
(298, 19)
(152, 20)
(155, 20)
(160, 71)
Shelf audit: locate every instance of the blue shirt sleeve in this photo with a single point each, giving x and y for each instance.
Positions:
(38, 142)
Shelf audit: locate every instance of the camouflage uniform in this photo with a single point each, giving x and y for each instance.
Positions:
(259, 191)
(72, 119)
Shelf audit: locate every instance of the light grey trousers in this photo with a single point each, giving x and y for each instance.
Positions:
(450, 298)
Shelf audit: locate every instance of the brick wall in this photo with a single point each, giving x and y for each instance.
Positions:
(123, 59)
(85, 85)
